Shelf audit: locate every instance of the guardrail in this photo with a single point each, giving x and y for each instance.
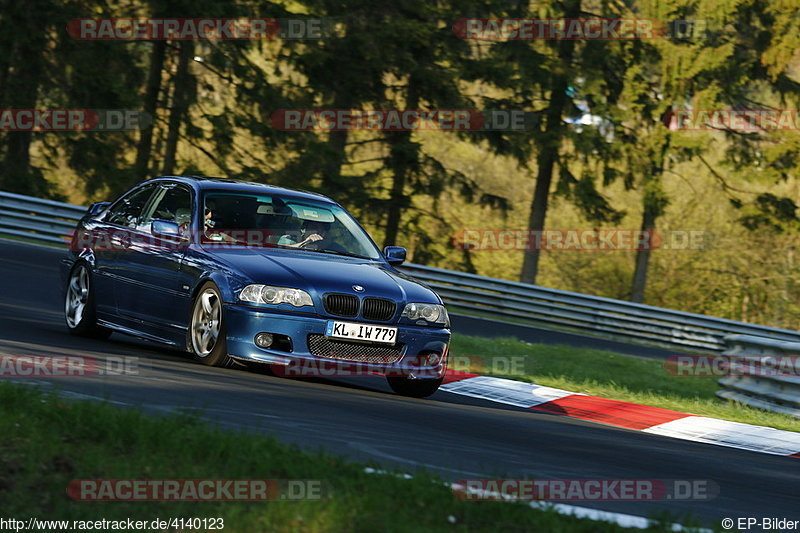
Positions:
(37, 219)
(49, 221)
(758, 381)
(588, 314)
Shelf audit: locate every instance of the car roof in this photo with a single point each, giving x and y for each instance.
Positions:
(202, 183)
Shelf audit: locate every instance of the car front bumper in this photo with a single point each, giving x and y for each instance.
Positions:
(244, 322)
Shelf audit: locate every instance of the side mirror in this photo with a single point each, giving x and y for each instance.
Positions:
(97, 208)
(395, 255)
(166, 230)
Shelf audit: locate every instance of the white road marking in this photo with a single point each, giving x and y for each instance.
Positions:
(506, 391)
(731, 434)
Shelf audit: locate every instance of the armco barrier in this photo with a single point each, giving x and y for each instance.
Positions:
(37, 219)
(590, 315)
(779, 393)
(49, 221)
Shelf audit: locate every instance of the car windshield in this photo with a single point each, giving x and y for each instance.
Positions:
(283, 222)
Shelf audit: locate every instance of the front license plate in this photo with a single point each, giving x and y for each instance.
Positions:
(361, 332)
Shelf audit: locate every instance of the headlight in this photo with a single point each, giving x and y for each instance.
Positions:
(433, 313)
(267, 294)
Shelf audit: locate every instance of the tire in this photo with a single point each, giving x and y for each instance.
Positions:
(206, 336)
(79, 305)
(414, 388)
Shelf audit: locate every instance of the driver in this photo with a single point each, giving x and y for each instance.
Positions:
(313, 231)
(209, 223)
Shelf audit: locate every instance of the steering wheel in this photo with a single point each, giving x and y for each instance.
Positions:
(311, 245)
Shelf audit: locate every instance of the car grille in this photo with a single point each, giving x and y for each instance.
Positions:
(378, 309)
(341, 304)
(321, 346)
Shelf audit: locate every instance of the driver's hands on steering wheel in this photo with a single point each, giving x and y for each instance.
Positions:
(314, 237)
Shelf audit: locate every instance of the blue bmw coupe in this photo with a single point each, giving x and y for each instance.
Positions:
(238, 272)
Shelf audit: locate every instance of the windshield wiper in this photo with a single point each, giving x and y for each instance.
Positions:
(337, 252)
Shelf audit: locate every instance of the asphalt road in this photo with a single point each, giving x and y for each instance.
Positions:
(360, 418)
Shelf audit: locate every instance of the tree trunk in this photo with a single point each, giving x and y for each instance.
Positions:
(22, 88)
(8, 48)
(180, 105)
(653, 205)
(548, 146)
(403, 157)
(541, 195)
(145, 145)
(335, 157)
(649, 216)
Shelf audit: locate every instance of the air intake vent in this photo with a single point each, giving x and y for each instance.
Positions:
(341, 304)
(321, 346)
(378, 309)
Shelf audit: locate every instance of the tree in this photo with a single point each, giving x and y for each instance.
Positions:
(182, 95)
(151, 96)
(23, 70)
(558, 81)
(386, 69)
(719, 66)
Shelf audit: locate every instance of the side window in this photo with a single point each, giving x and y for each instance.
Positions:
(128, 211)
(173, 204)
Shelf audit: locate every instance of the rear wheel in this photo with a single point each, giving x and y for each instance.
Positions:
(207, 340)
(415, 388)
(79, 306)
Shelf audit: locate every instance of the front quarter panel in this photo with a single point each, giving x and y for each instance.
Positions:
(201, 266)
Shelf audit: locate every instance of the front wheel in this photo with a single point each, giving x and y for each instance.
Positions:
(207, 340)
(79, 306)
(414, 388)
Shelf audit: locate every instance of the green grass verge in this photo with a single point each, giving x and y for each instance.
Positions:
(611, 375)
(47, 442)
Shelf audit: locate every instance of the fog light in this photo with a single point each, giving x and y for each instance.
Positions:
(264, 340)
(432, 359)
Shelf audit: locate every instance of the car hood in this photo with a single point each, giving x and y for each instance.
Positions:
(322, 273)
